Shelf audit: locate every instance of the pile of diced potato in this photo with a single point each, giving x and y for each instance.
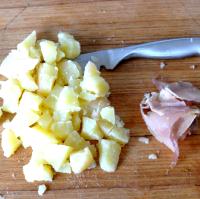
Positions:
(61, 113)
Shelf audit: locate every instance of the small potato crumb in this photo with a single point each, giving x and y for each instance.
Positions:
(143, 140)
(152, 156)
(41, 189)
(162, 65)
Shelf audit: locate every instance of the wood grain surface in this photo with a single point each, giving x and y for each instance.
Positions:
(100, 24)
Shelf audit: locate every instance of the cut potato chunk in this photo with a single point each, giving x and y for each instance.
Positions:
(85, 95)
(37, 172)
(46, 77)
(35, 136)
(76, 121)
(62, 129)
(93, 82)
(65, 168)
(53, 154)
(69, 70)
(17, 63)
(60, 54)
(35, 52)
(68, 100)
(109, 152)
(90, 129)
(27, 43)
(45, 119)
(69, 45)
(61, 116)
(81, 160)
(108, 113)
(27, 81)
(30, 101)
(9, 142)
(49, 51)
(10, 92)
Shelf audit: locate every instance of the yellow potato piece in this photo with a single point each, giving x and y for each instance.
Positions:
(81, 160)
(10, 92)
(49, 51)
(9, 142)
(65, 168)
(109, 152)
(45, 119)
(108, 113)
(69, 45)
(90, 129)
(47, 75)
(37, 172)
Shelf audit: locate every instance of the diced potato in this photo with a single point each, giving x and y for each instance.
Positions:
(85, 95)
(17, 63)
(109, 152)
(105, 126)
(45, 119)
(25, 118)
(62, 129)
(69, 70)
(10, 92)
(69, 45)
(35, 52)
(49, 51)
(46, 77)
(76, 121)
(30, 101)
(9, 142)
(75, 140)
(37, 172)
(90, 129)
(27, 43)
(68, 100)
(119, 134)
(27, 81)
(65, 168)
(54, 154)
(60, 54)
(93, 82)
(81, 160)
(50, 101)
(108, 113)
(61, 116)
(35, 136)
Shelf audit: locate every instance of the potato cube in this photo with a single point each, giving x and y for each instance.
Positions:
(46, 77)
(30, 101)
(69, 45)
(90, 129)
(60, 54)
(54, 154)
(76, 121)
(105, 126)
(62, 129)
(61, 116)
(49, 51)
(45, 119)
(35, 52)
(108, 113)
(9, 142)
(109, 152)
(17, 63)
(27, 43)
(85, 95)
(27, 81)
(35, 136)
(65, 168)
(119, 134)
(68, 100)
(10, 92)
(37, 172)
(69, 70)
(50, 101)
(93, 82)
(81, 160)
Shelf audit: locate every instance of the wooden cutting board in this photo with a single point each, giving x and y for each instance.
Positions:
(104, 24)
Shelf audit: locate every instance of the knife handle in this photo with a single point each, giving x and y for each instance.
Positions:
(165, 49)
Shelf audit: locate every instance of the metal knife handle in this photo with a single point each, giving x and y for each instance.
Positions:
(165, 49)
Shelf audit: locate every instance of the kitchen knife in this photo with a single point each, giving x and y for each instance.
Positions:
(163, 49)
